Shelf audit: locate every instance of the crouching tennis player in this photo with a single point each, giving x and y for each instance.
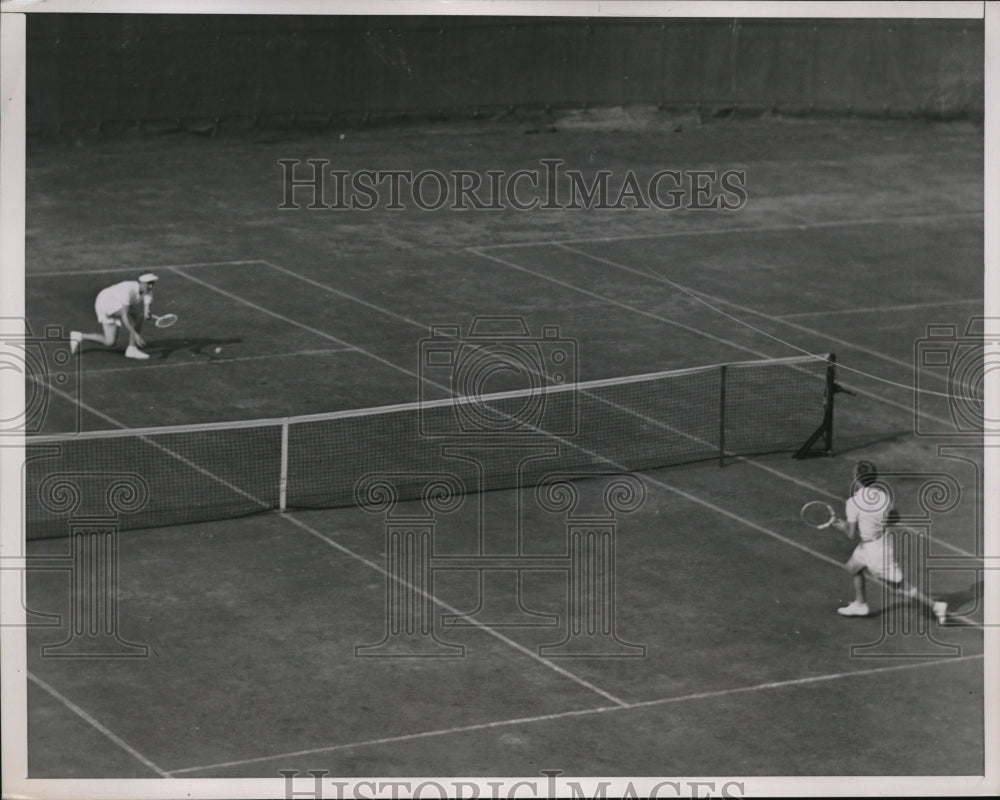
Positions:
(869, 514)
(123, 305)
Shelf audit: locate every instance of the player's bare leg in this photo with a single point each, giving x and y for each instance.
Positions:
(859, 607)
(937, 607)
(107, 337)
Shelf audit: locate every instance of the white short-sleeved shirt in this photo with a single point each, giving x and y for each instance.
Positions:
(868, 507)
(111, 300)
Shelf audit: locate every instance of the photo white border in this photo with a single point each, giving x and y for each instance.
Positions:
(12, 205)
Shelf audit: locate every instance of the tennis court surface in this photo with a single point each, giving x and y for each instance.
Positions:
(655, 615)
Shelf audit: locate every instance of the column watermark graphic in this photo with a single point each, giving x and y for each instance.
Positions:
(915, 565)
(955, 364)
(497, 406)
(907, 623)
(91, 504)
(91, 562)
(587, 565)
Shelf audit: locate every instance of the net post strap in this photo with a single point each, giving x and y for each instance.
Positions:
(825, 430)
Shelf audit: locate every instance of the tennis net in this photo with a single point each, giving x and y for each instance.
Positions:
(197, 473)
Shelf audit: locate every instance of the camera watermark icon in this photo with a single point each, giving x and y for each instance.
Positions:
(47, 367)
(951, 365)
(94, 503)
(499, 380)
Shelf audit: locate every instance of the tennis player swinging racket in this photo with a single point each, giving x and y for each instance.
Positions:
(868, 515)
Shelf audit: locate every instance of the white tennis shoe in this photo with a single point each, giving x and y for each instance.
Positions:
(74, 341)
(854, 609)
(135, 352)
(941, 611)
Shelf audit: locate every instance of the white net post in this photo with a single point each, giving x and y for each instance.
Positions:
(283, 479)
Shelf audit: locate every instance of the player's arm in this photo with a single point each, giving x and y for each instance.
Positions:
(848, 526)
(126, 318)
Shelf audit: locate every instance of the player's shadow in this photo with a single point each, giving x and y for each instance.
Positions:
(967, 601)
(162, 349)
(961, 603)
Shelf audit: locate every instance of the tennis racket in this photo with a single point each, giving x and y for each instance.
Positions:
(818, 514)
(164, 320)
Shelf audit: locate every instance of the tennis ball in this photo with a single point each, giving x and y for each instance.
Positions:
(218, 349)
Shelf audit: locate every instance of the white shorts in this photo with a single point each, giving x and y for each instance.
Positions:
(105, 315)
(110, 316)
(878, 557)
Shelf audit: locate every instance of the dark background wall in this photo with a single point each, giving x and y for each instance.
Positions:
(131, 69)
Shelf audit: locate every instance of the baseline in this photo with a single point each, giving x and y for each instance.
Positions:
(68, 273)
(220, 360)
(914, 219)
(98, 726)
(760, 687)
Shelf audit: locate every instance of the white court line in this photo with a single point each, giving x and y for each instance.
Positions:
(610, 301)
(98, 726)
(137, 270)
(451, 610)
(157, 445)
(788, 541)
(756, 464)
(211, 359)
(714, 299)
(833, 676)
(651, 277)
(775, 535)
(842, 223)
(831, 495)
(880, 309)
(760, 687)
(289, 320)
(238, 299)
(690, 329)
(698, 332)
(347, 296)
(669, 488)
(686, 495)
(384, 361)
(323, 334)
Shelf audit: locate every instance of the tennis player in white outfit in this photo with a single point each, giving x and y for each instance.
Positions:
(122, 305)
(868, 512)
